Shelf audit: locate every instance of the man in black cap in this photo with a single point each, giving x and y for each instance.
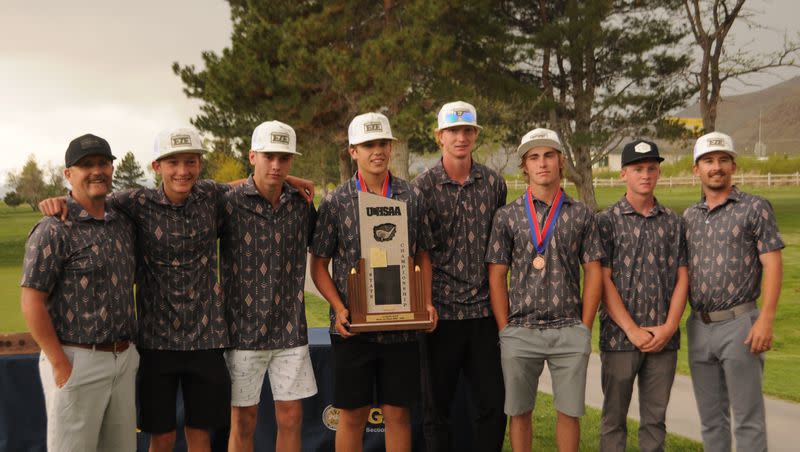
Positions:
(645, 282)
(77, 300)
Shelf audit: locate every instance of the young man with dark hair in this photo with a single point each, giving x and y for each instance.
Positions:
(734, 252)
(386, 360)
(266, 227)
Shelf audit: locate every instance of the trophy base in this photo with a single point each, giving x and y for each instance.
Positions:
(388, 325)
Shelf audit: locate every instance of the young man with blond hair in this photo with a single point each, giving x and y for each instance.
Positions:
(544, 237)
(461, 197)
(645, 282)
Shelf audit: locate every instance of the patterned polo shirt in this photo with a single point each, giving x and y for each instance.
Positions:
(551, 297)
(263, 261)
(178, 299)
(643, 253)
(86, 266)
(460, 216)
(724, 244)
(337, 236)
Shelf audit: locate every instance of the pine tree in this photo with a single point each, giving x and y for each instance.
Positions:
(128, 173)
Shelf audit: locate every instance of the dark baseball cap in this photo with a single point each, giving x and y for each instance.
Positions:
(86, 145)
(639, 150)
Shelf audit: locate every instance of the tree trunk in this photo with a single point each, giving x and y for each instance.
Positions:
(398, 164)
(346, 170)
(581, 175)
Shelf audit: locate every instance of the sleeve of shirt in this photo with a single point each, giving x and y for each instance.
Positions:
(502, 193)
(123, 200)
(225, 213)
(44, 257)
(683, 251)
(765, 227)
(325, 238)
(591, 248)
(312, 223)
(606, 232)
(501, 240)
(424, 233)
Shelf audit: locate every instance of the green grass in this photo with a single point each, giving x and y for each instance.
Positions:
(316, 311)
(783, 362)
(544, 414)
(544, 432)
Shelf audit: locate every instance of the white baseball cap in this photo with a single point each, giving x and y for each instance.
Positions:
(177, 141)
(457, 113)
(368, 127)
(539, 137)
(274, 136)
(713, 142)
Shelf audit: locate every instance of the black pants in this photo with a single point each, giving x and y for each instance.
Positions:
(469, 347)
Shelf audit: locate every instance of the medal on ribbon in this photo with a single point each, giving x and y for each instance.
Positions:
(541, 237)
(386, 188)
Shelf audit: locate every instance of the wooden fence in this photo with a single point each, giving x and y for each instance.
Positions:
(759, 180)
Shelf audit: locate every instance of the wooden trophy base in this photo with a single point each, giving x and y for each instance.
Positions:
(362, 321)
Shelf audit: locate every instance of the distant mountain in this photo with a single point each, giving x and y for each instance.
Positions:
(780, 108)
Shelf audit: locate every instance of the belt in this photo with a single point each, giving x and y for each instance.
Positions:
(113, 347)
(726, 314)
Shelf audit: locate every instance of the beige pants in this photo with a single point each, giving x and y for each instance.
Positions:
(96, 408)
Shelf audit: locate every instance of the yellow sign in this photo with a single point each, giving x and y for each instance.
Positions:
(689, 123)
(390, 317)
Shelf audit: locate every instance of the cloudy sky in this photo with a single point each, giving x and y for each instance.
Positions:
(103, 66)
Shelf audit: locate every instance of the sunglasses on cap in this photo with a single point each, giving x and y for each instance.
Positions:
(456, 116)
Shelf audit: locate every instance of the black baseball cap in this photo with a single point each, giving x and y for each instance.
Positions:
(639, 150)
(86, 145)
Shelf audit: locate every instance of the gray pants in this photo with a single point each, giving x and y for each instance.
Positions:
(96, 409)
(655, 373)
(725, 377)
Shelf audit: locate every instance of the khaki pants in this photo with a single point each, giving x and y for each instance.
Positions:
(96, 408)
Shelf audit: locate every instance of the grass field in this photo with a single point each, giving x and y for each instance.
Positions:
(544, 433)
(783, 363)
(544, 414)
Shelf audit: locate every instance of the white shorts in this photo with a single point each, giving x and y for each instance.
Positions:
(291, 375)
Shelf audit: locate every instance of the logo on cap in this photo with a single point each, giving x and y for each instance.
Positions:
(716, 142)
(181, 140)
(282, 138)
(642, 148)
(90, 142)
(370, 127)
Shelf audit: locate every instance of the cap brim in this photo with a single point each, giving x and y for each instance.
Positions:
(99, 152)
(642, 159)
(276, 151)
(528, 145)
(458, 124)
(353, 143)
(181, 151)
(729, 152)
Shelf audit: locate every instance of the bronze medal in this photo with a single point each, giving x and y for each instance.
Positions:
(538, 262)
